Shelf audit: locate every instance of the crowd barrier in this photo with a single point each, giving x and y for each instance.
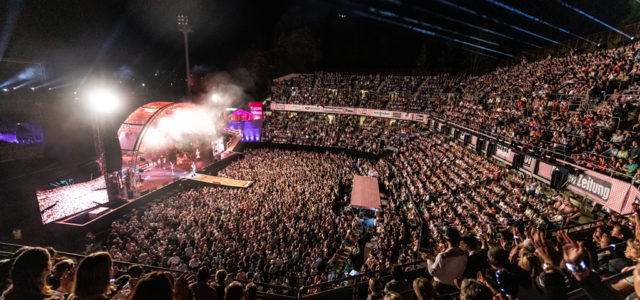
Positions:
(616, 194)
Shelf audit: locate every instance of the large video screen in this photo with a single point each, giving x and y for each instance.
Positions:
(69, 197)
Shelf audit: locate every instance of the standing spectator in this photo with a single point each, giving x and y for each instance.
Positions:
(201, 289)
(28, 276)
(477, 260)
(448, 264)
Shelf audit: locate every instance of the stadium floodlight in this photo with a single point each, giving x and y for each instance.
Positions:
(185, 28)
(103, 100)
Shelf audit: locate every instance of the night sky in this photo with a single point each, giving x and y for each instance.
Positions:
(78, 36)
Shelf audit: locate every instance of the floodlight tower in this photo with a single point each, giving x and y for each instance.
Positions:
(185, 28)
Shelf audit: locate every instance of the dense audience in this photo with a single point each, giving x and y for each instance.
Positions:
(278, 231)
(338, 131)
(464, 226)
(580, 107)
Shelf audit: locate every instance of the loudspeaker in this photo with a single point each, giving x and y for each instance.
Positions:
(467, 139)
(491, 149)
(559, 177)
(518, 160)
(112, 154)
(480, 145)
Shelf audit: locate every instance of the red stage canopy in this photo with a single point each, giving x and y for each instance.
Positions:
(365, 192)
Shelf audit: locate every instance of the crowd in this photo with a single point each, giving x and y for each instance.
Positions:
(278, 231)
(579, 107)
(338, 131)
(483, 231)
(41, 273)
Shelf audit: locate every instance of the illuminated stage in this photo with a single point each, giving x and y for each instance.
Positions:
(162, 143)
(215, 180)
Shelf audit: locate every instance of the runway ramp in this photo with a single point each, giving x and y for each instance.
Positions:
(221, 180)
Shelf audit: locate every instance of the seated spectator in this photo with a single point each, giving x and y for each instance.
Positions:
(28, 276)
(234, 291)
(398, 283)
(134, 273)
(61, 279)
(250, 291)
(511, 279)
(471, 289)
(624, 287)
(392, 296)
(161, 286)
(375, 289)
(92, 277)
(155, 285)
(423, 289)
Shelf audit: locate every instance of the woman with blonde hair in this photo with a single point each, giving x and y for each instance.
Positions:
(92, 277)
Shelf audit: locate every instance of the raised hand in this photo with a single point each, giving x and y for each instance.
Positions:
(181, 287)
(545, 251)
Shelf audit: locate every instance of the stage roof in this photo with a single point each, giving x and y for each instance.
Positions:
(131, 132)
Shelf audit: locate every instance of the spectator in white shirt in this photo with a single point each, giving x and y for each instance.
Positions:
(449, 264)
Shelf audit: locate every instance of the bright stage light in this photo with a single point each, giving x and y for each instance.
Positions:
(102, 100)
(33, 89)
(5, 89)
(215, 98)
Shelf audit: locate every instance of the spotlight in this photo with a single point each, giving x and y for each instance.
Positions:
(102, 100)
(632, 38)
(15, 88)
(598, 45)
(215, 98)
(49, 88)
(5, 89)
(33, 89)
(143, 84)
